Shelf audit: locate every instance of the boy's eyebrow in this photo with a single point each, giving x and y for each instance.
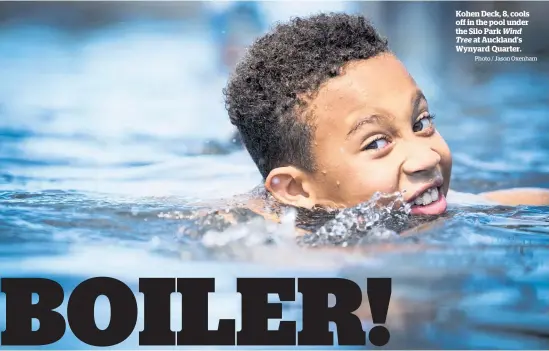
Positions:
(418, 97)
(366, 120)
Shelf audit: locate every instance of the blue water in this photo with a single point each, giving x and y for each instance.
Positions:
(108, 139)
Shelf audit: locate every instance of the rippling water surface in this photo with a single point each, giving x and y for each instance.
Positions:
(102, 176)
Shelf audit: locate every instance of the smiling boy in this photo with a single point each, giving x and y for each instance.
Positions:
(330, 116)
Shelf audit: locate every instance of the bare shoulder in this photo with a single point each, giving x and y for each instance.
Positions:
(519, 196)
(253, 203)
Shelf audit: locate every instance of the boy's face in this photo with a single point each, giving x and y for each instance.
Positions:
(374, 132)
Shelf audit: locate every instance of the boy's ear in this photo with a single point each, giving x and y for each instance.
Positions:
(291, 186)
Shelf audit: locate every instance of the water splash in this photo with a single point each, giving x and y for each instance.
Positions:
(258, 231)
(238, 230)
(236, 234)
(377, 219)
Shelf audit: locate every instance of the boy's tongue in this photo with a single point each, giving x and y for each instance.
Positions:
(434, 208)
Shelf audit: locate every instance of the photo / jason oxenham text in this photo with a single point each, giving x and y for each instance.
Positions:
(274, 175)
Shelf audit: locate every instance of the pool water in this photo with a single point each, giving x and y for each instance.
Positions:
(102, 176)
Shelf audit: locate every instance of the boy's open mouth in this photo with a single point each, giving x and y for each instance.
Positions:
(429, 201)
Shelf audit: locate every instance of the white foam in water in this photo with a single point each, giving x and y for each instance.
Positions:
(255, 232)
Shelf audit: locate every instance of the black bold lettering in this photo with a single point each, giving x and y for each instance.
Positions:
(157, 293)
(81, 306)
(20, 311)
(317, 314)
(256, 311)
(195, 315)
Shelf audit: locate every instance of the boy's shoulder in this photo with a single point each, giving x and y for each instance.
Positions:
(242, 207)
(506, 197)
(462, 198)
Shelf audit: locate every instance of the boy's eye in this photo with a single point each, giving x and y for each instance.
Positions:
(377, 144)
(422, 124)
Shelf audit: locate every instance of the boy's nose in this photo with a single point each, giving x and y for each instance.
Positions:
(420, 159)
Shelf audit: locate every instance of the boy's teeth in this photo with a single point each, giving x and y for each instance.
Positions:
(430, 195)
(434, 194)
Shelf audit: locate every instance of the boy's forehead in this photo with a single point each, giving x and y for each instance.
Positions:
(379, 83)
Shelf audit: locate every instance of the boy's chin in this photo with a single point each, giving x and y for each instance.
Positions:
(434, 208)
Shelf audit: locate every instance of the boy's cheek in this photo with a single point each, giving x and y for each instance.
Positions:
(347, 179)
(445, 163)
(361, 186)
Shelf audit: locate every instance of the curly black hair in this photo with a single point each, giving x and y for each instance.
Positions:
(266, 97)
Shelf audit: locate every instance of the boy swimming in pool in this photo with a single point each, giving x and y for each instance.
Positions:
(330, 116)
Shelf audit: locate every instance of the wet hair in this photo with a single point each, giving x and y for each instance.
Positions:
(266, 97)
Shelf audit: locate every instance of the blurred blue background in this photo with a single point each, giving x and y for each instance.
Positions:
(112, 119)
